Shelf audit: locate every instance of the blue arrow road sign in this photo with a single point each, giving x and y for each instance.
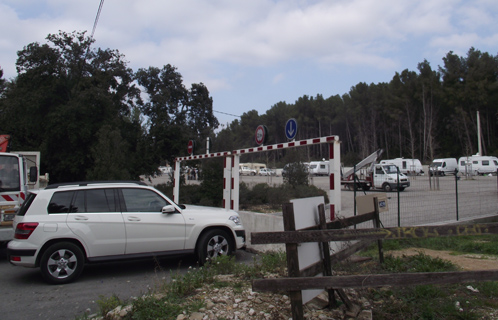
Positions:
(291, 129)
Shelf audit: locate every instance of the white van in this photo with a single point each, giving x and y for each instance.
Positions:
(443, 166)
(478, 165)
(406, 166)
(319, 168)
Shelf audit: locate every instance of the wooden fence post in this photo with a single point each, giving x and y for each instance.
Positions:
(327, 264)
(377, 225)
(296, 296)
(327, 270)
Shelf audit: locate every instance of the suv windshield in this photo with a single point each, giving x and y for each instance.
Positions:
(391, 169)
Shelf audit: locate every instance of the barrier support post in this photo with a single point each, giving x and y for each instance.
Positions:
(176, 182)
(227, 182)
(335, 177)
(235, 182)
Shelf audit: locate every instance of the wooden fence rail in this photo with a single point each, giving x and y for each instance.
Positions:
(323, 233)
(302, 236)
(373, 280)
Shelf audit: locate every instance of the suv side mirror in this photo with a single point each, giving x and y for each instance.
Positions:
(33, 174)
(168, 209)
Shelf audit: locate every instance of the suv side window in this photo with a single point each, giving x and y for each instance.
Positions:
(142, 200)
(94, 200)
(60, 202)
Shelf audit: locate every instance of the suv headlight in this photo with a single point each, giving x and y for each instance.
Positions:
(235, 219)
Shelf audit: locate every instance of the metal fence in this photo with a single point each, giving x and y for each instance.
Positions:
(441, 199)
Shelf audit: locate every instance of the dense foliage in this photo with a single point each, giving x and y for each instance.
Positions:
(92, 117)
(425, 115)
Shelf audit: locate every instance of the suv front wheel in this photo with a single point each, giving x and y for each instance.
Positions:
(62, 263)
(214, 243)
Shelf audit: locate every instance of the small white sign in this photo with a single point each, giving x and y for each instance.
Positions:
(306, 215)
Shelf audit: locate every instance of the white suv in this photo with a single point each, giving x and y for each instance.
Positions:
(64, 226)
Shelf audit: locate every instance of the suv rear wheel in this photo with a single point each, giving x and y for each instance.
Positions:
(62, 263)
(214, 243)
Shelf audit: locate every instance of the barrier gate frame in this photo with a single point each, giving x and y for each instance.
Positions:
(231, 176)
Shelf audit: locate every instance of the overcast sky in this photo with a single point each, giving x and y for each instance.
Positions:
(252, 54)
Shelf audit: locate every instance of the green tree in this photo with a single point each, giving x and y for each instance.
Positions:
(470, 84)
(425, 113)
(111, 161)
(296, 174)
(211, 186)
(431, 97)
(64, 94)
(2, 83)
(175, 114)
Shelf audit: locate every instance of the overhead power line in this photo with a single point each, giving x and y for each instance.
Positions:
(228, 114)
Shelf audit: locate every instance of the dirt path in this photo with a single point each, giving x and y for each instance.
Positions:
(467, 262)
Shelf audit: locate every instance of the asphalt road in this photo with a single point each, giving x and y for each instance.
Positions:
(26, 296)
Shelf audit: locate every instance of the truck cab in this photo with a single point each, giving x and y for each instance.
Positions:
(385, 177)
(18, 174)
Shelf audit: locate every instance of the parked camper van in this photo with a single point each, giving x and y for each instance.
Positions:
(406, 166)
(443, 166)
(319, 168)
(250, 168)
(478, 165)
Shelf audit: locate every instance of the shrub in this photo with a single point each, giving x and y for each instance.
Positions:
(278, 195)
(296, 174)
(262, 194)
(211, 193)
(259, 194)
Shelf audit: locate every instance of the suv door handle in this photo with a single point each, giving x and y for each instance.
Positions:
(133, 218)
(80, 218)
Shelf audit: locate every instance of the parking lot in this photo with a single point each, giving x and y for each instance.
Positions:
(427, 200)
(418, 204)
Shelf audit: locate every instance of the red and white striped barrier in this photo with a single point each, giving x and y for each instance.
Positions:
(204, 156)
(231, 172)
(292, 144)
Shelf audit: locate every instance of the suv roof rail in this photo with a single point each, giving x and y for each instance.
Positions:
(86, 183)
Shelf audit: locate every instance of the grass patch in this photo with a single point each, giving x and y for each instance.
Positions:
(169, 299)
(417, 263)
(485, 244)
(453, 301)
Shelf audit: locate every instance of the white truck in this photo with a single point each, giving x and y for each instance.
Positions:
(443, 167)
(19, 172)
(368, 175)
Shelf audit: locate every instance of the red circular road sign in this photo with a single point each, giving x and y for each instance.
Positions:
(190, 147)
(261, 135)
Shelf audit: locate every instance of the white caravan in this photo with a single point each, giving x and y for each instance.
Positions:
(443, 166)
(478, 165)
(406, 166)
(319, 168)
